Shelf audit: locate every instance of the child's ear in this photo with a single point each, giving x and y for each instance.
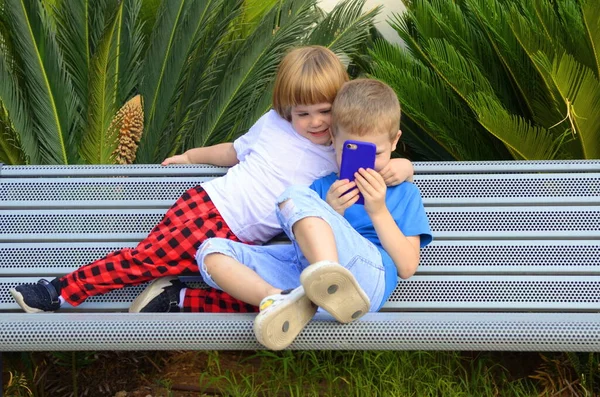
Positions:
(396, 139)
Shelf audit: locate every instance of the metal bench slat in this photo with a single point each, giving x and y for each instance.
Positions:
(441, 167)
(440, 257)
(543, 222)
(375, 331)
(449, 190)
(436, 293)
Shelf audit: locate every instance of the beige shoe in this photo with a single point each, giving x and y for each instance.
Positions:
(282, 317)
(332, 287)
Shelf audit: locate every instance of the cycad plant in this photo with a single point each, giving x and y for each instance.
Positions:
(203, 70)
(496, 79)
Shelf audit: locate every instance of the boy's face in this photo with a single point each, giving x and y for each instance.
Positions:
(312, 122)
(381, 140)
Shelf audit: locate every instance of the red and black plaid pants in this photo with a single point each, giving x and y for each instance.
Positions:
(169, 250)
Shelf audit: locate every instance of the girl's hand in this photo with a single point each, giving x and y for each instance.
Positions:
(397, 171)
(177, 159)
(341, 195)
(373, 188)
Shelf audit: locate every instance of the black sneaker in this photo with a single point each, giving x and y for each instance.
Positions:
(161, 296)
(40, 297)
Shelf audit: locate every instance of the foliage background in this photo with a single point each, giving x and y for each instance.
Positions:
(204, 70)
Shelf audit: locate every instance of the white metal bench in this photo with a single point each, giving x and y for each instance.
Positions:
(514, 264)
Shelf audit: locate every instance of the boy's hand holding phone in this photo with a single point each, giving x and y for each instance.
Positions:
(373, 188)
(341, 195)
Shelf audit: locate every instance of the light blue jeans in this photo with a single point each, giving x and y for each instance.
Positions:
(281, 264)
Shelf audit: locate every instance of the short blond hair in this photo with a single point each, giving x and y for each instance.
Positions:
(307, 76)
(364, 107)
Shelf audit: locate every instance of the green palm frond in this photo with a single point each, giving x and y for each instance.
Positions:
(253, 12)
(344, 28)
(177, 26)
(16, 135)
(580, 91)
(48, 90)
(524, 139)
(591, 20)
(114, 72)
(253, 67)
(208, 66)
(73, 34)
(10, 147)
(447, 127)
(127, 46)
(516, 66)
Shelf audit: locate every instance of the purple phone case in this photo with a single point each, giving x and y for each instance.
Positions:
(362, 155)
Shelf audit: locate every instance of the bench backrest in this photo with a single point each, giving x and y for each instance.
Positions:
(509, 236)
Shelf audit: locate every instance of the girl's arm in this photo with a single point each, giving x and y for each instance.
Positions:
(223, 154)
(397, 171)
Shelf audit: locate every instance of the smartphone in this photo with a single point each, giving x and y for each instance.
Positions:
(355, 155)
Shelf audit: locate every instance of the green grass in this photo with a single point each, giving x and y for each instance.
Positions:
(382, 373)
(308, 373)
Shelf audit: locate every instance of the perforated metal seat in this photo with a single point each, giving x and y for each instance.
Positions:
(514, 265)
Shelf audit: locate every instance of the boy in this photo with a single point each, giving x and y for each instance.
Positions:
(344, 258)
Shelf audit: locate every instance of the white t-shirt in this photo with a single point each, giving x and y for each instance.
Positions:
(272, 157)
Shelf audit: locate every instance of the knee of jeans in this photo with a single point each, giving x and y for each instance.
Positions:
(211, 246)
(296, 194)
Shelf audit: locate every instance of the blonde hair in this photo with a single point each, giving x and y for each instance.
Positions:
(364, 107)
(307, 76)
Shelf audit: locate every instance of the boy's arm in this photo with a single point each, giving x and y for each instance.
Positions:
(404, 251)
(397, 171)
(223, 154)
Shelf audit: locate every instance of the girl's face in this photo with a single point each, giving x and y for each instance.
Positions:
(312, 122)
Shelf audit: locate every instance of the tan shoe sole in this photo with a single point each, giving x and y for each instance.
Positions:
(277, 328)
(154, 289)
(334, 288)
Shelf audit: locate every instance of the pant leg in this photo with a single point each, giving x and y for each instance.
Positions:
(212, 300)
(276, 264)
(168, 250)
(357, 254)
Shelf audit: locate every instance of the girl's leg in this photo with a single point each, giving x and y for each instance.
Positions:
(237, 279)
(212, 300)
(168, 250)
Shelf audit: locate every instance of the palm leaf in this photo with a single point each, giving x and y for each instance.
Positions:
(114, 73)
(208, 65)
(591, 20)
(73, 34)
(48, 89)
(10, 148)
(16, 135)
(254, 64)
(344, 28)
(525, 140)
(580, 90)
(253, 12)
(446, 125)
(164, 67)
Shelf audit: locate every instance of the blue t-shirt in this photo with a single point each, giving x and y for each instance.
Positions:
(406, 206)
